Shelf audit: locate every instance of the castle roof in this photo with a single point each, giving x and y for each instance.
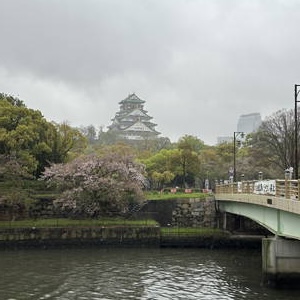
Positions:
(140, 127)
(132, 98)
(136, 113)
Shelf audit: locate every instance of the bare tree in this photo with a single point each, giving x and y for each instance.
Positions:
(273, 145)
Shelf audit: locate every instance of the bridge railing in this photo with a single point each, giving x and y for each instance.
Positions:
(281, 188)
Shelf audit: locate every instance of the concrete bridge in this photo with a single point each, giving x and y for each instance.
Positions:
(275, 205)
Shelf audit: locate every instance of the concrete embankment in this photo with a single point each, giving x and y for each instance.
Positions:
(83, 236)
(150, 236)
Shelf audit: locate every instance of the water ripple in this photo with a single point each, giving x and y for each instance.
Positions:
(142, 274)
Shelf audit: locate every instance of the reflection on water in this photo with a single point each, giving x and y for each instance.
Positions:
(134, 274)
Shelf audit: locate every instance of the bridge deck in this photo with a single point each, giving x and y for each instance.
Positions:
(289, 205)
(275, 207)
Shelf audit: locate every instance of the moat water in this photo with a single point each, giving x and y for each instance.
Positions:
(114, 273)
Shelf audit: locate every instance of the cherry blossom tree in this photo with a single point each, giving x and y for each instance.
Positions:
(97, 185)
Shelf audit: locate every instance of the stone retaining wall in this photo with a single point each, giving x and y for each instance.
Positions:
(194, 212)
(47, 237)
(184, 212)
(116, 237)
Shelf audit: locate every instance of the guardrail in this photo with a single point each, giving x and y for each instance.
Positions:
(281, 188)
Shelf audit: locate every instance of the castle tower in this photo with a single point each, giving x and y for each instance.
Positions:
(132, 122)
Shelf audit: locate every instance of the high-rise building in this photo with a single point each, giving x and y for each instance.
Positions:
(246, 123)
(249, 123)
(132, 122)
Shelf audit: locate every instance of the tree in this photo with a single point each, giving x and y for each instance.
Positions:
(159, 179)
(189, 147)
(67, 143)
(97, 185)
(120, 149)
(212, 165)
(12, 100)
(24, 134)
(160, 162)
(107, 138)
(89, 132)
(27, 137)
(191, 143)
(272, 146)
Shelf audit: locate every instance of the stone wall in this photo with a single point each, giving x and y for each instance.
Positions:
(189, 212)
(194, 212)
(55, 236)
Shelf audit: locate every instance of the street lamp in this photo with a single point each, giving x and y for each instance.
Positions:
(235, 135)
(296, 129)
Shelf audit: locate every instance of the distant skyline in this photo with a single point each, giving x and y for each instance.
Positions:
(248, 123)
(199, 65)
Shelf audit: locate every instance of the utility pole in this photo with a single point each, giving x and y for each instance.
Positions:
(235, 134)
(296, 130)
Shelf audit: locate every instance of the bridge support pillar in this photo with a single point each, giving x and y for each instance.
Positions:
(280, 261)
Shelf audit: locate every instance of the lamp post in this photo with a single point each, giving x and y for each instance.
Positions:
(296, 129)
(235, 135)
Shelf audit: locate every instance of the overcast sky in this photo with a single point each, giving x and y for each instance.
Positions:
(198, 64)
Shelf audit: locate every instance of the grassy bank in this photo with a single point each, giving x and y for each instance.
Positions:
(176, 231)
(75, 223)
(166, 196)
(192, 231)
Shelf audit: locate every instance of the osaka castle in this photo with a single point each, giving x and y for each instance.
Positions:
(132, 122)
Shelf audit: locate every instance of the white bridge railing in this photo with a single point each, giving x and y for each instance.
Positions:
(288, 189)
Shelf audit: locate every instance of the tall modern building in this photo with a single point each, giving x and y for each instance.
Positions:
(249, 123)
(246, 123)
(132, 122)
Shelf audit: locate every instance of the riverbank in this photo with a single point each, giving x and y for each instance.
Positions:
(122, 236)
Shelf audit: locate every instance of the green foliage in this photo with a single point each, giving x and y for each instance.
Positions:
(189, 148)
(179, 195)
(190, 143)
(12, 100)
(192, 232)
(16, 202)
(178, 166)
(159, 179)
(120, 149)
(32, 142)
(107, 138)
(29, 143)
(164, 161)
(216, 161)
(67, 143)
(19, 195)
(89, 132)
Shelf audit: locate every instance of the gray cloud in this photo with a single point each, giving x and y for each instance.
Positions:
(198, 64)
